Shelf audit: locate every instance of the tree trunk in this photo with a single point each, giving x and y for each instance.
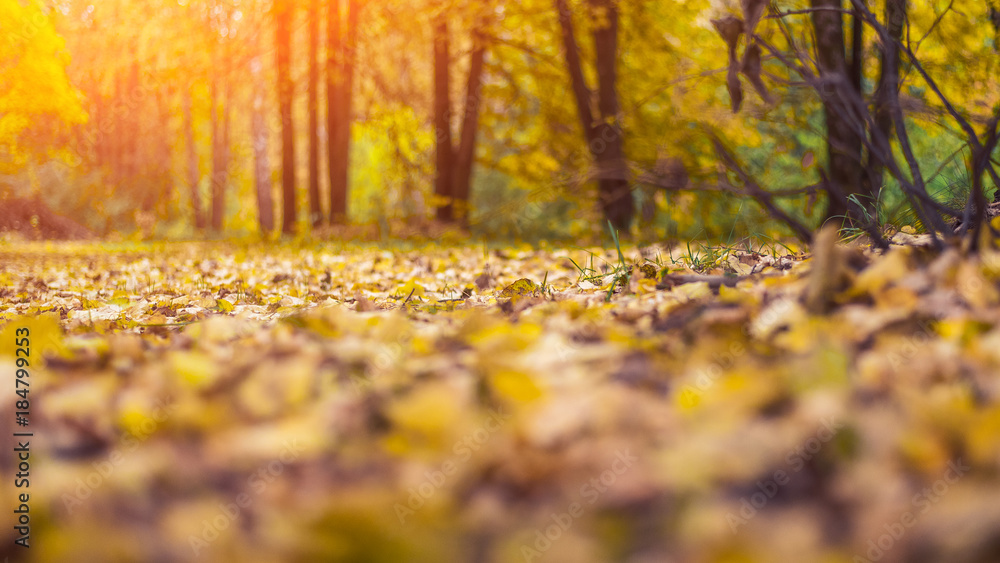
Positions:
(466, 154)
(162, 166)
(315, 205)
(340, 135)
(857, 50)
(262, 165)
(888, 85)
(220, 152)
(442, 121)
(194, 176)
(334, 107)
(129, 121)
(604, 137)
(843, 145)
(612, 170)
(334, 47)
(581, 92)
(283, 54)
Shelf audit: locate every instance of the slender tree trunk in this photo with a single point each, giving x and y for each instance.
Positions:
(612, 170)
(129, 122)
(466, 153)
(220, 153)
(150, 158)
(334, 107)
(442, 121)
(843, 145)
(283, 10)
(262, 165)
(315, 205)
(857, 50)
(162, 164)
(604, 136)
(888, 85)
(581, 92)
(194, 176)
(340, 135)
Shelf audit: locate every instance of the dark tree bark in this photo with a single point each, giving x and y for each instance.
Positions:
(442, 120)
(283, 54)
(843, 144)
(344, 100)
(315, 204)
(888, 84)
(194, 177)
(334, 84)
(465, 155)
(612, 170)
(341, 47)
(857, 50)
(581, 92)
(604, 136)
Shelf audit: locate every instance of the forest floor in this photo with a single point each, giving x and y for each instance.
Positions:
(223, 402)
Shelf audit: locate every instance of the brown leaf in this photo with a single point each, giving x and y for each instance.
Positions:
(735, 88)
(730, 28)
(751, 67)
(362, 304)
(485, 281)
(752, 12)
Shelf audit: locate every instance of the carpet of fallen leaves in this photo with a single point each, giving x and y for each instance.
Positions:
(220, 402)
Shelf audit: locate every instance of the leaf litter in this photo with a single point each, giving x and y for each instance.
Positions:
(445, 404)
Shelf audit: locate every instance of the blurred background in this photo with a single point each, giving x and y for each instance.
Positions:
(192, 118)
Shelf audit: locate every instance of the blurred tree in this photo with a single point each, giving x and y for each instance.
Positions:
(454, 163)
(315, 205)
(37, 102)
(604, 132)
(342, 33)
(219, 98)
(283, 14)
(443, 150)
(888, 87)
(843, 142)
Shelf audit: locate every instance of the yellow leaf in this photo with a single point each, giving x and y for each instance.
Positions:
(515, 385)
(432, 411)
(521, 287)
(38, 335)
(195, 369)
(410, 288)
(225, 306)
